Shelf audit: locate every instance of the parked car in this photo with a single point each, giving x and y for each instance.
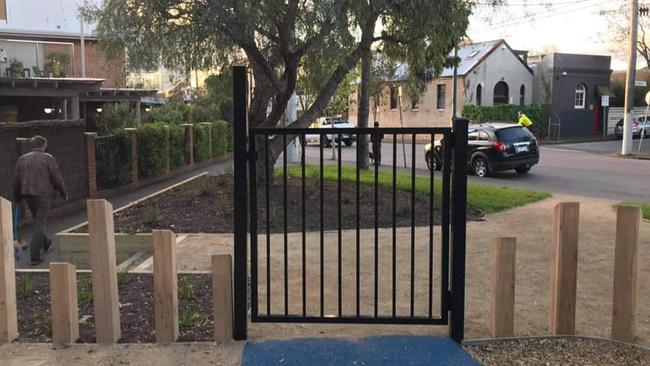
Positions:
(637, 128)
(328, 122)
(493, 147)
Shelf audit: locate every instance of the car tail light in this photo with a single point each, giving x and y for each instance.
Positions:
(500, 146)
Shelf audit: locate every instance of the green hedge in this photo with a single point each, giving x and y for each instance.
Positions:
(153, 151)
(113, 159)
(230, 139)
(219, 138)
(508, 113)
(201, 142)
(176, 146)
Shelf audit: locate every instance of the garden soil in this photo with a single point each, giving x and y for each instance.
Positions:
(530, 224)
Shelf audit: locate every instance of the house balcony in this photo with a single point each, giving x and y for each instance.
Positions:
(26, 59)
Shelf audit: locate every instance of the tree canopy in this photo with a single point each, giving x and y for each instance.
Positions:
(280, 39)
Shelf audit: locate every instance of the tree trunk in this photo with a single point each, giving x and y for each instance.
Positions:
(364, 108)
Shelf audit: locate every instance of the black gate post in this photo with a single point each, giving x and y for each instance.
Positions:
(458, 229)
(240, 90)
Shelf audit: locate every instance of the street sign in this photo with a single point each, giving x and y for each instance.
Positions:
(604, 100)
(642, 83)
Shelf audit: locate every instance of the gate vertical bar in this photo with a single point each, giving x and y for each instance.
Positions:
(458, 229)
(240, 89)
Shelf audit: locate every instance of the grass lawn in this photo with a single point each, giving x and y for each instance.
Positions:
(645, 208)
(485, 197)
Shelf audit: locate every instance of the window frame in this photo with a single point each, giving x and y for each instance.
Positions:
(479, 95)
(393, 95)
(441, 97)
(503, 100)
(522, 95)
(580, 92)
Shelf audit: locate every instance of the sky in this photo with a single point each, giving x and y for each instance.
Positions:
(569, 26)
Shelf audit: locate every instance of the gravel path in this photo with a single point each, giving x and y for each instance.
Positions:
(562, 351)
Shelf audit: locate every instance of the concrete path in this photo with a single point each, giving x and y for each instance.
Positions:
(389, 350)
(59, 224)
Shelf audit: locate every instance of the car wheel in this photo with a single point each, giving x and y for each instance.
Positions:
(481, 167)
(523, 169)
(347, 142)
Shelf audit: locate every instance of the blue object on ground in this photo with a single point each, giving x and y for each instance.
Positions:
(384, 350)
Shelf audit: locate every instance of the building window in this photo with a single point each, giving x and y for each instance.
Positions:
(581, 92)
(393, 97)
(3, 9)
(479, 94)
(441, 96)
(501, 93)
(522, 95)
(415, 105)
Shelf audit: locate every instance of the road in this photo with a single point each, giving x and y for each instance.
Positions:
(563, 169)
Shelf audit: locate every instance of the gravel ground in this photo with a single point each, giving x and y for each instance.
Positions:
(562, 351)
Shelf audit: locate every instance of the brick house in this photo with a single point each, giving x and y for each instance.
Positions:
(45, 73)
(490, 73)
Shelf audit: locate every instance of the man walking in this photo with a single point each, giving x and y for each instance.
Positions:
(37, 180)
(376, 139)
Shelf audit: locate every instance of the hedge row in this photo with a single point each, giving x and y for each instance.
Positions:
(159, 146)
(201, 142)
(113, 159)
(176, 146)
(508, 113)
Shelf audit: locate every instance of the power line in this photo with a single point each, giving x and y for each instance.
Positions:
(542, 4)
(536, 18)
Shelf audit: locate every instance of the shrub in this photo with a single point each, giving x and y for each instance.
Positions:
(508, 113)
(170, 113)
(113, 156)
(116, 117)
(176, 146)
(219, 138)
(230, 142)
(153, 150)
(201, 142)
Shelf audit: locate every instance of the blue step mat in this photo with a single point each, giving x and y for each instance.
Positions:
(385, 350)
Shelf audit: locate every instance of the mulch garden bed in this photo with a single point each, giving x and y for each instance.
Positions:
(136, 308)
(205, 205)
(558, 351)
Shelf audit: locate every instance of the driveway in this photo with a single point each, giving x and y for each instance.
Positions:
(565, 169)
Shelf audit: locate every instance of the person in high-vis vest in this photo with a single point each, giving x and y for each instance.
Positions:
(523, 120)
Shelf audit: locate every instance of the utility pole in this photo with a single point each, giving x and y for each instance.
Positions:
(626, 148)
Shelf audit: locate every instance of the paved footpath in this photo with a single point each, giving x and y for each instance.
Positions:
(59, 224)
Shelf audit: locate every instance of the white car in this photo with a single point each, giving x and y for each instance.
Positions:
(330, 122)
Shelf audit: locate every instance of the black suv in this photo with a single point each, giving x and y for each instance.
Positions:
(493, 147)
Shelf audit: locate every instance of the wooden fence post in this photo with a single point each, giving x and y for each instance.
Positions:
(165, 283)
(104, 271)
(8, 315)
(91, 164)
(222, 297)
(503, 287)
(628, 220)
(564, 268)
(63, 295)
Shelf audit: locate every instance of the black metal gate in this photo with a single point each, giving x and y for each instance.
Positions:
(326, 248)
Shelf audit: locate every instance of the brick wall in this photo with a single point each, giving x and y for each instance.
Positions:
(97, 66)
(66, 141)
